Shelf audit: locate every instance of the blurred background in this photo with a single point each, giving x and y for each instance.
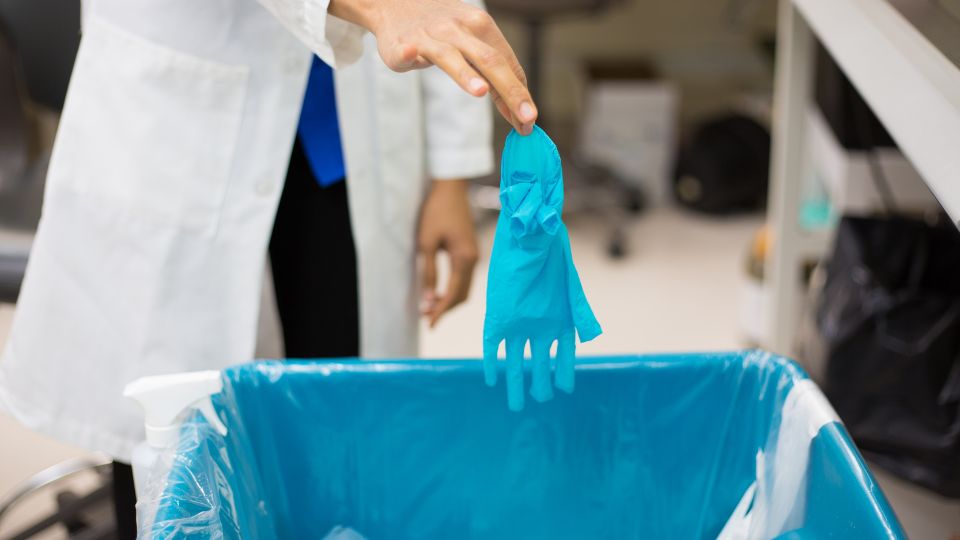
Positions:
(695, 224)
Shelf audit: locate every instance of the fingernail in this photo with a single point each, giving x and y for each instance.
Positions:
(477, 84)
(526, 112)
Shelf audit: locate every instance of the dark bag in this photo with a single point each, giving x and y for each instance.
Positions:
(723, 167)
(889, 317)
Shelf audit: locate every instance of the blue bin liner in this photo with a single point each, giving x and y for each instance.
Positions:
(662, 446)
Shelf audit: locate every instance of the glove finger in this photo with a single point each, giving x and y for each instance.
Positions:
(541, 389)
(566, 351)
(515, 373)
(490, 347)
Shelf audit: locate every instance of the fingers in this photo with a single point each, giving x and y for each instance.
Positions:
(487, 30)
(462, 40)
(452, 62)
(484, 46)
(500, 69)
(478, 65)
(463, 259)
(515, 373)
(482, 25)
(502, 108)
(428, 304)
(490, 348)
(541, 389)
(566, 349)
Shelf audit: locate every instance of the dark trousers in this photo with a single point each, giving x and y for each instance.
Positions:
(314, 268)
(124, 501)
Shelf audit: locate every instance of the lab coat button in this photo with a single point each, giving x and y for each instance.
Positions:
(264, 188)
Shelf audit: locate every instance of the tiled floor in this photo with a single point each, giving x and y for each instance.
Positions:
(676, 291)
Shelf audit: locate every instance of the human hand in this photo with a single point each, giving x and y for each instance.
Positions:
(460, 39)
(446, 224)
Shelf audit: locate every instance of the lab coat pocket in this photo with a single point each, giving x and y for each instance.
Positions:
(148, 132)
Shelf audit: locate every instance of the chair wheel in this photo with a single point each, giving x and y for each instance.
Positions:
(616, 248)
(636, 201)
(74, 524)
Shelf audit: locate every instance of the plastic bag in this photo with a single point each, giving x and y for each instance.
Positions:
(648, 447)
(889, 318)
(204, 487)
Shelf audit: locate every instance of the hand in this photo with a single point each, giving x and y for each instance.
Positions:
(459, 38)
(446, 224)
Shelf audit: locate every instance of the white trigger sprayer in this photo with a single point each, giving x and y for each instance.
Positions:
(164, 399)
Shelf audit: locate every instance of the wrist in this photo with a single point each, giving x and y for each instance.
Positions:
(360, 12)
(450, 184)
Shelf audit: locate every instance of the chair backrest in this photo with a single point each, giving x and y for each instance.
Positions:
(47, 35)
(14, 132)
(16, 170)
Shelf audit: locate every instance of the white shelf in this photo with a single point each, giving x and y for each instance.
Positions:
(909, 84)
(912, 88)
(850, 179)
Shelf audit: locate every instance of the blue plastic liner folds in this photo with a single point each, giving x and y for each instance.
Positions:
(733, 445)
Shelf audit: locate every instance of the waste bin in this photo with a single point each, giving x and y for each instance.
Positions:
(731, 445)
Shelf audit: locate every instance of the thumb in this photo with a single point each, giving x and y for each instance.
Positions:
(429, 278)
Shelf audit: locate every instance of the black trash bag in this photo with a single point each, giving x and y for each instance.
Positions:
(889, 318)
(723, 167)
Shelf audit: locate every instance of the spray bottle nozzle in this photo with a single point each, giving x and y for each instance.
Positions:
(165, 397)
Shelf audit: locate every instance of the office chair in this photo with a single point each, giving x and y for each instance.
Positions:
(86, 515)
(17, 215)
(14, 133)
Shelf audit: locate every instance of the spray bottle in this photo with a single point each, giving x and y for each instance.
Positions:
(165, 399)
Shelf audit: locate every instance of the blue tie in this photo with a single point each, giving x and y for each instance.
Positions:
(319, 129)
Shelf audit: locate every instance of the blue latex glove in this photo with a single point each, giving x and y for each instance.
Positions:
(533, 290)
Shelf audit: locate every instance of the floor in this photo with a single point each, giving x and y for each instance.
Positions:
(24, 453)
(677, 290)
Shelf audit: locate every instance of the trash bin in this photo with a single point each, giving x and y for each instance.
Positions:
(730, 445)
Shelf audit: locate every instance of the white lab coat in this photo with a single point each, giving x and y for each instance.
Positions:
(164, 181)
